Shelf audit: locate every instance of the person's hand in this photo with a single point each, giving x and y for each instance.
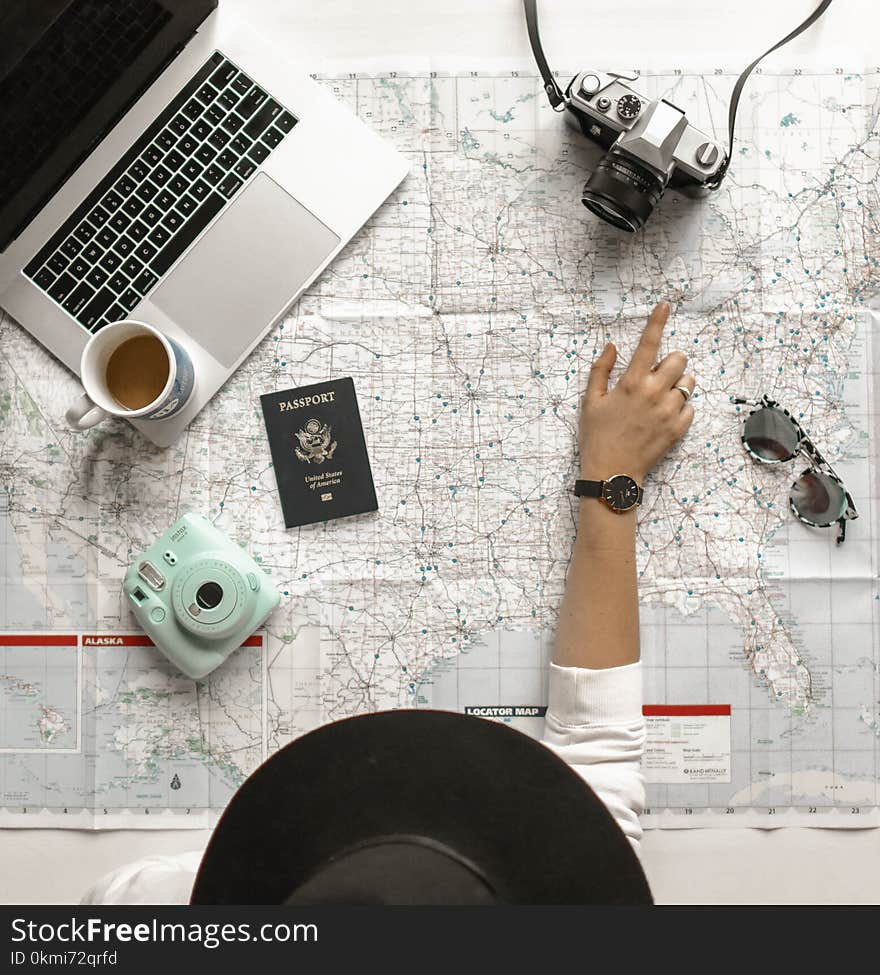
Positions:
(627, 429)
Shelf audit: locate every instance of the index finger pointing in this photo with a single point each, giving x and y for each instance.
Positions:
(649, 345)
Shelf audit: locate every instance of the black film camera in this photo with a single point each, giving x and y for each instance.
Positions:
(651, 144)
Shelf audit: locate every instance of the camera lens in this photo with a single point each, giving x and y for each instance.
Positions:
(622, 192)
(209, 595)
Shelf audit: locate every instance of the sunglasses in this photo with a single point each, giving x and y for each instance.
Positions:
(817, 498)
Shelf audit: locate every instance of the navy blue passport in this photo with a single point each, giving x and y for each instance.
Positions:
(318, 452)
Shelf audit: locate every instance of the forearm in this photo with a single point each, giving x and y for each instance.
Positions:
(599, 616)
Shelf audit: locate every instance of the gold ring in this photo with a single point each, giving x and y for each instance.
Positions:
(684, 392)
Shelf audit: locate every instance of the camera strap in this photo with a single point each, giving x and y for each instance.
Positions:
(557, 98)
(741, 80)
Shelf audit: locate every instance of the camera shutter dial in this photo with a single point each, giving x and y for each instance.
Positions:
(628, 107)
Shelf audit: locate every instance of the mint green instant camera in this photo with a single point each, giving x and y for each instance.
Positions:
(197, 595)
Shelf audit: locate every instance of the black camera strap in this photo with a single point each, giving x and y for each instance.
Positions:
(557, 98)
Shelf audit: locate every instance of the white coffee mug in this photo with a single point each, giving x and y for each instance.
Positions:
(98, 403)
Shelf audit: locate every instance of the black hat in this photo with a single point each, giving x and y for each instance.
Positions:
(417, 807)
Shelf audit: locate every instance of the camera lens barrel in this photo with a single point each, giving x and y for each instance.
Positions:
(622, 192)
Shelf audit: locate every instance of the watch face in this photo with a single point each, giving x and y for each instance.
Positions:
(621, 492)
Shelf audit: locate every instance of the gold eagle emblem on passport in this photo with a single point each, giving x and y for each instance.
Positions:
(315, 444)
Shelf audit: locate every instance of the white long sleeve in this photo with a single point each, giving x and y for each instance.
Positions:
(594, 722)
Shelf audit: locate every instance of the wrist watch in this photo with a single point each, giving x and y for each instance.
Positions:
(620, 492)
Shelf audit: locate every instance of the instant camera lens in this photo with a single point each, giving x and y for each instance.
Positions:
(770, 435)
(209, 594)
(622, 192)
(817, 498)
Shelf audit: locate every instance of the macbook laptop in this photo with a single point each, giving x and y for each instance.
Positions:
(162, 162)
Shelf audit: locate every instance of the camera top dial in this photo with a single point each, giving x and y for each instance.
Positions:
(629, 106)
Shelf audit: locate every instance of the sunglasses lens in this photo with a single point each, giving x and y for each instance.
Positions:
(770, 435)
(818, 498)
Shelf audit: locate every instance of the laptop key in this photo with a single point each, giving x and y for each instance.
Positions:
(165, 200)
(166, 138)
(94, 310)
(78, 268)
(146, 191)
(97, 276)
(105, 238)
(227, 159)
(110, 261)
(193, 109)
(174, 160)
(160, 175)
(124, 246)
(179, 124)
(71, 247)
(241, 143)
(285, 121)
(144, 281)
(83, 233)
(272, 137)
(251, 102)
(229, 98)
(124, 185)
(91, 252)
(186, 205)
(177, 184)
(205, 153)
(192, 169)
(132, 267)
(258, 152)
(138, 170)
(200, 130)
(232, 123)
(133, 206)
(114, 313)
(152, 215)
(223, 75)
(159, 235)
(219, 139)
(129, 298)
(152, 154)
(245, 167)
(200, 189)
(119, 221)
(229, 185)
(216, 113)
(44, 278)
(118, 283)
(81, 295)
(209, 208)
(263, 119)
(172, 220)
(145, 251)
(112, 202)
(241, 83)
(62, 287)
(206, 94)
(57, 263)
(213, 174)
(138, 230)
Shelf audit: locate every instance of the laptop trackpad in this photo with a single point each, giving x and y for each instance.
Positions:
(245, 270)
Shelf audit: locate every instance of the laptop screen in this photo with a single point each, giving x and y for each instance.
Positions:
(69, 69)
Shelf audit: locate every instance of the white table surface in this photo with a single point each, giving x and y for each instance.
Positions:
(683, 866)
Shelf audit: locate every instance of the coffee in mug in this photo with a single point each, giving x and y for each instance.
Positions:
(130, 369)
(137, 371)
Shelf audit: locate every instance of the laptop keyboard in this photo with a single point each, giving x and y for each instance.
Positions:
(160, 196)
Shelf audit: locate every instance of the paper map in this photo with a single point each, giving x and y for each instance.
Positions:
(468, 312)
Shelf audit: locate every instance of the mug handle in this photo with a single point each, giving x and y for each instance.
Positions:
(84, 414)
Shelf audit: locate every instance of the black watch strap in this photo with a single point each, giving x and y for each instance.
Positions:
(588, 489)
